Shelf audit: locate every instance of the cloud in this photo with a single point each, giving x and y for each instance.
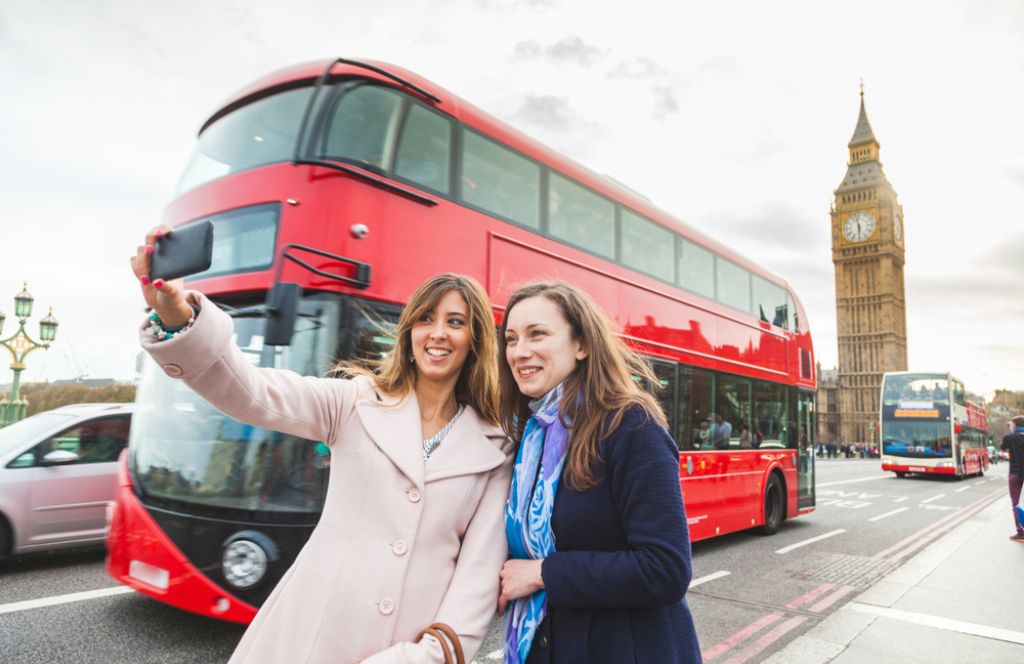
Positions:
(665, 103)
(636, 68)
(571, 50)
(547, 112)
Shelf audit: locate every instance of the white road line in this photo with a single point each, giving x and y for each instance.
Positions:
(941, 623)
(862, 479)
(63, 599)
(964, 489)
(900, 500)
(882, 516)
(709, 577)
(941, 495)
(787, 549)
(980, 483)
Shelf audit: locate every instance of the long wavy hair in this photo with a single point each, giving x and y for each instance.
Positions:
(604, 379)
(477, 385)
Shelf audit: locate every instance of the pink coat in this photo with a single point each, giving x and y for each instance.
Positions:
(401, 544)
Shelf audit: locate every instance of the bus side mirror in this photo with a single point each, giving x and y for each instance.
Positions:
(283, 303)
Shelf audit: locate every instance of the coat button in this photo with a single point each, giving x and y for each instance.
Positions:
(386, 606)
(173, 370)
(413, 495)
(399, 548)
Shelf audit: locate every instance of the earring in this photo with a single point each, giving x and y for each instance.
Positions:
(412, 358)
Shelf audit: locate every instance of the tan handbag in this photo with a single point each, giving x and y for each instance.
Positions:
(445, 634)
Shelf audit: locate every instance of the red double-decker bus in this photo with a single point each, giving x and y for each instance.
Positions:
(358, 180)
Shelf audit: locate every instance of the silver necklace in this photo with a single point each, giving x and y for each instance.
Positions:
(430, 444)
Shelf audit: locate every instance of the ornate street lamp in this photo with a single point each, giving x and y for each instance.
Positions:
(20, 345)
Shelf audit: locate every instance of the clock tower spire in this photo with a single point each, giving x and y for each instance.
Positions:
(868, 255)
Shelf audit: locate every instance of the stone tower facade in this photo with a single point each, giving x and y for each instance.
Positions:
(868, 253)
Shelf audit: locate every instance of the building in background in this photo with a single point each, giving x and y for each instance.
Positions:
(868, 255)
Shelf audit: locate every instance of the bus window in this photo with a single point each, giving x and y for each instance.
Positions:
(693, 410)
(733, 284)
(499, 181)
(259, 133)
(580, 216)
(770, 302)
(732, 403)
(696, 269)
(647, 246)
(666, 396)
(770, 415)
(245, 240)
(362, 126)
(424, 151)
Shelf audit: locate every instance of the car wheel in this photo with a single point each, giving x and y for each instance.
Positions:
(5, 537)
(774, 505)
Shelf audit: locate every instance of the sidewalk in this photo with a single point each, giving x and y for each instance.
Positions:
(959, 600)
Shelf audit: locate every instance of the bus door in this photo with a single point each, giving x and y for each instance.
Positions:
(806, 432)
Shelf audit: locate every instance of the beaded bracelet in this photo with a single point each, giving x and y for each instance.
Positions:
(157, 329)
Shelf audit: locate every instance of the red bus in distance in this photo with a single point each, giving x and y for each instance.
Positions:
(357, 180)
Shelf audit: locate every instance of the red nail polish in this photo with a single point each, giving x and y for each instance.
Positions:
(159, 232)
(144, 279)
(159, 283)
(149, 250)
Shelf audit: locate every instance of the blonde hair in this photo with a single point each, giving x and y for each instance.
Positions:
(601, 384)
(478, 381)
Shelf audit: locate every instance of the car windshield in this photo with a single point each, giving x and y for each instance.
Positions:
(187, 455)
(31, 428)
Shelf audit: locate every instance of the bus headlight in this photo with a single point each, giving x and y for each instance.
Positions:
(246, 558)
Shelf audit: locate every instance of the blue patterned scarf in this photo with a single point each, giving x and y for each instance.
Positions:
(528, 513)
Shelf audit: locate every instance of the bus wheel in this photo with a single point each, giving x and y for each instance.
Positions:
(5, 537)
(900, 475)
(774, 505)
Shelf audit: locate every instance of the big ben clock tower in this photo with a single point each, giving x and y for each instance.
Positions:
(867, 251)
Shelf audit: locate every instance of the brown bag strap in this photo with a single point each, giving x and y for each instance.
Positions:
(440, 631)
(430, 631)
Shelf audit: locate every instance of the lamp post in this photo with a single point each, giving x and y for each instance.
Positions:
(20, 344)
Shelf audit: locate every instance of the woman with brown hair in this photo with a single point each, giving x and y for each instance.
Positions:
(595, 519)
(411, 532)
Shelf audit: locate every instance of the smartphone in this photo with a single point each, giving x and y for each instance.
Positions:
(185, 251)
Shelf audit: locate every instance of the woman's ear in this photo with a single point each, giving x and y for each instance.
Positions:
(581, 353)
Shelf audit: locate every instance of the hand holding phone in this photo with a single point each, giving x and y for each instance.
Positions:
(186, 251)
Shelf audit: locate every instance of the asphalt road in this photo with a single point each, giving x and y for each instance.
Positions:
(750, 596)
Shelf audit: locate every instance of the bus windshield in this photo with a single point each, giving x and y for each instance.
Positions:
(917, 439)
(185, 452)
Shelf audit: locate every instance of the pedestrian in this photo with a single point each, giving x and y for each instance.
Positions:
(723, 432)
(595, 517)
(411, 532)
(1013, 443)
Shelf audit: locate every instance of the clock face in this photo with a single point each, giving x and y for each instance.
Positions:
(897, 228)
(858, 226)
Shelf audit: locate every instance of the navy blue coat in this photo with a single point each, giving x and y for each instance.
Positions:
(621, 564)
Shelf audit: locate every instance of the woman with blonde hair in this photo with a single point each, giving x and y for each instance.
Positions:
(411, 532)
(595, 519)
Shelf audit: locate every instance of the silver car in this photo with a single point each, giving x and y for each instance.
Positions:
(58, 472)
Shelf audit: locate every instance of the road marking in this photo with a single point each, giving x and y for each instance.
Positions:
(887, 514)
(787, 549)
(14, 607)
(709, 577)
(832, 599)
(743, 634)
(934, 530)
(964, 489)
(980, 483)
(941, 495)
(809, 596)
(941, 623)
(771, 637)
(900, 500)
(862, 479)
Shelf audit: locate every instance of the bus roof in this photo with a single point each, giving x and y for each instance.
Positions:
(477, 118)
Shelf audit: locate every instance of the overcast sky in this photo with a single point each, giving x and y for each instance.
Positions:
(733, 116)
